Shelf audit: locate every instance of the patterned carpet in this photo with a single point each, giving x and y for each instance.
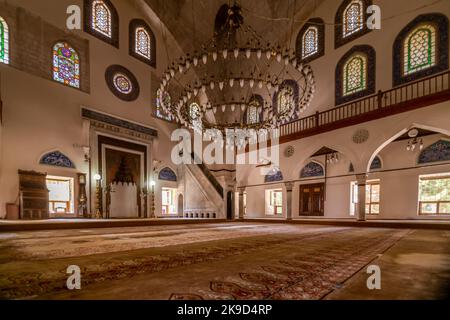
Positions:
(217, 261)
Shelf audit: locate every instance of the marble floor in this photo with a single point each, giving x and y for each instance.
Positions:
(239, 260)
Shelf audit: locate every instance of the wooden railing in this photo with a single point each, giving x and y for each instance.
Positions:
(420, 93)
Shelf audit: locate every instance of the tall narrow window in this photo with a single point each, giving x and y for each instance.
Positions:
(419, 49)
(142, 45)
(353, 18)
(434, 194)
(274, 202)
(372, 197)
(355, 75)
(168, 201)
(66, 65)
(142, 42)
(4, 41)
(101, 18)
(310, 42)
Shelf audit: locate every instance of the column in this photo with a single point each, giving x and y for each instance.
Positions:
(361, 205)
(289, 186)
(241, 202)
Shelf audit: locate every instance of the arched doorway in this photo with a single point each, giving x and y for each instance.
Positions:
(180, 206)
(230, 202)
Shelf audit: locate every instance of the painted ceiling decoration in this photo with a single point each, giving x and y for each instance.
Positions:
(57, 159)
(376, 163)
(274, 176)
(167, 174)
(312, 169)
(438, 151)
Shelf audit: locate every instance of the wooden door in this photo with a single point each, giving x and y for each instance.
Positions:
(312, 200)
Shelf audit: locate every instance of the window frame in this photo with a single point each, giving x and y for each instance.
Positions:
(354, 197)
(428, 177)
(134, 25)
(441, 24)
(339, 38)
(319, 24)
(88, 18)
(64, 43)
(6, 43)
(275, 210)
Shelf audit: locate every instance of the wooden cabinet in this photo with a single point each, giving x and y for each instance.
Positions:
(312, 200)
(33, 195)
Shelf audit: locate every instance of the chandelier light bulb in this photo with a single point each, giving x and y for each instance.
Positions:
(231, 82)
(236, 53)
(223, 108)
(188, 64)
(214, 55)
(251, 83)
(225, 53)
(214, 109)
(260, 84)
(233, 107)
(279, 57)
(204, 88)
(195, 60)
(286, 60)
(241, 82)
(268, 54)
(258, 53)
(269, 85)
(242, 107)
(248, 53)
(211, 84)
(294, 63)
(189, 95)
(221, 85)
(164, 82)
(205, 58)
(172, 72)
(180, 68)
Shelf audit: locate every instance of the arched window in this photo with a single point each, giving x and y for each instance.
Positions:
(286, 97)
(355, 74)
(376, 163)
(162, 98)
(167, 174)
(353, 18)
(66, 65)
(421, 48)
(310, 40)
(350, 21)
(57, 159)
(142, 42)
(4, 41)
(195, 115)
(254, 110)
(102, 20)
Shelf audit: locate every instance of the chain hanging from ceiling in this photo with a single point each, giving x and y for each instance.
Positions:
(234, 71)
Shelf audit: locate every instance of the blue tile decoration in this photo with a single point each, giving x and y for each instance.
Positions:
(274, 176)
(167, 174)
(376, 163)
(438, 151)
(57, 159)
(93, 115)
(312, 169)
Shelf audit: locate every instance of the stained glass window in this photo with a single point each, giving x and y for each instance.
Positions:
(195, 114)
(253, 112)
(420, 49)
(122, 83)
(101, 18)
(355, 74)
(163, 98)
(353, 18)
(143, 43)
(285, 98)
(4, 41)
(66, 65)
(310, 42)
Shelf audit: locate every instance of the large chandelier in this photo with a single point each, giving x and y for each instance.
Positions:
(237, 81)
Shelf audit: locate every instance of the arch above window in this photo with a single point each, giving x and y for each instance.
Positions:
(312, 169)
(310, 43)
(421, 48)
(438, 151)
(56, 159)
(4, 41)
(350, 21)
(376, 163)
(355, 74)
(66, 65)
(167, 174)
(274, 176)
(142, 42)
(102, 20)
